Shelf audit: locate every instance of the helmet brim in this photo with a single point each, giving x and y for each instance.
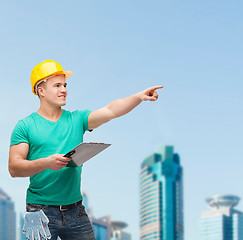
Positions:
(67, 74)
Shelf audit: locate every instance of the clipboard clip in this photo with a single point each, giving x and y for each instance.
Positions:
(69, 154)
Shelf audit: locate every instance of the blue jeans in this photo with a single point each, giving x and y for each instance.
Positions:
(71, 224)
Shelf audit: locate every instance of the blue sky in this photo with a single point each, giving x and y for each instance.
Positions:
(115, 49)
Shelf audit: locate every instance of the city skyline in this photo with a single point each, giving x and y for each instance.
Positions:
(116, 49)
(218, 202)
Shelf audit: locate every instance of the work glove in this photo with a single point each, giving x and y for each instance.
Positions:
(36, 226)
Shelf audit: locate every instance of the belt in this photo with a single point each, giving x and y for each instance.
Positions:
(63, 207)
(66, 207)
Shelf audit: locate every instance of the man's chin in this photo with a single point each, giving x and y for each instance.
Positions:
(62, 104)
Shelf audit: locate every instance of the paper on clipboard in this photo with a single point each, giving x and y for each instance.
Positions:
(83, 152)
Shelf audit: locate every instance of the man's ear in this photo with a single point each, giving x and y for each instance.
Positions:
(40, 91)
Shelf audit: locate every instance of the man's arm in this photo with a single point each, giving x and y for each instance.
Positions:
(121, 107)
(20, 167)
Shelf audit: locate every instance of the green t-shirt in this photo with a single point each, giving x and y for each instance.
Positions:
(45, 138)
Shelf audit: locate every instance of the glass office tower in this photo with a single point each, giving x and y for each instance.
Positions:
(101, 228)
(104, 227)
(7, 217)
(161, 196)
(20, 229)
(117, 232)
(223, 222)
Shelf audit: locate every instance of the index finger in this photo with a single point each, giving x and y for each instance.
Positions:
(155, 87)
(64, 159)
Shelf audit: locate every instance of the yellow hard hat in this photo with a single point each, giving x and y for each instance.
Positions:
(46, 69)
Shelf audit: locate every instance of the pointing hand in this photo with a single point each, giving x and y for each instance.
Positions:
(150, 94)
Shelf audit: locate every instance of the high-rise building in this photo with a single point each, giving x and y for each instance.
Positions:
(86, 204)
(161, 196)
(21, 225)
(117, 232)
(7, 217)
(101, 227)
(222, 222)
(104, 227)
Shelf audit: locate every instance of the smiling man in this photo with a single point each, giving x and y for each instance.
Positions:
(38, 144)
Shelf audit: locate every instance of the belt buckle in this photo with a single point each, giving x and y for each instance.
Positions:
(62, 209)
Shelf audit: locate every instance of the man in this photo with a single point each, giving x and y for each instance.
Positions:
(37, 148)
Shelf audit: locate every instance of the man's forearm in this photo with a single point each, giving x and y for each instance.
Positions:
(27, 168)
(123, 106)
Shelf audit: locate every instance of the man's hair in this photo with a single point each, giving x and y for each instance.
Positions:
(41, 84)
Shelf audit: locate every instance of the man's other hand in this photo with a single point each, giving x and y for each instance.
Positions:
(57, 161)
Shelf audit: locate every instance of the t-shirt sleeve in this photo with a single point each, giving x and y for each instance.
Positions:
(19, 134)
(84, 114)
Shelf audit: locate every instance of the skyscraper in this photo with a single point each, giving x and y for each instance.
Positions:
(223, 222)
(21, 224)
(104, 227)
(117, 232)
(161, 196)
(7, 217)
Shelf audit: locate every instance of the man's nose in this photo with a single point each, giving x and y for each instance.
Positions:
(63, 89)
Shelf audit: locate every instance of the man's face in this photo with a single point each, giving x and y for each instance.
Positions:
(54, 90)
